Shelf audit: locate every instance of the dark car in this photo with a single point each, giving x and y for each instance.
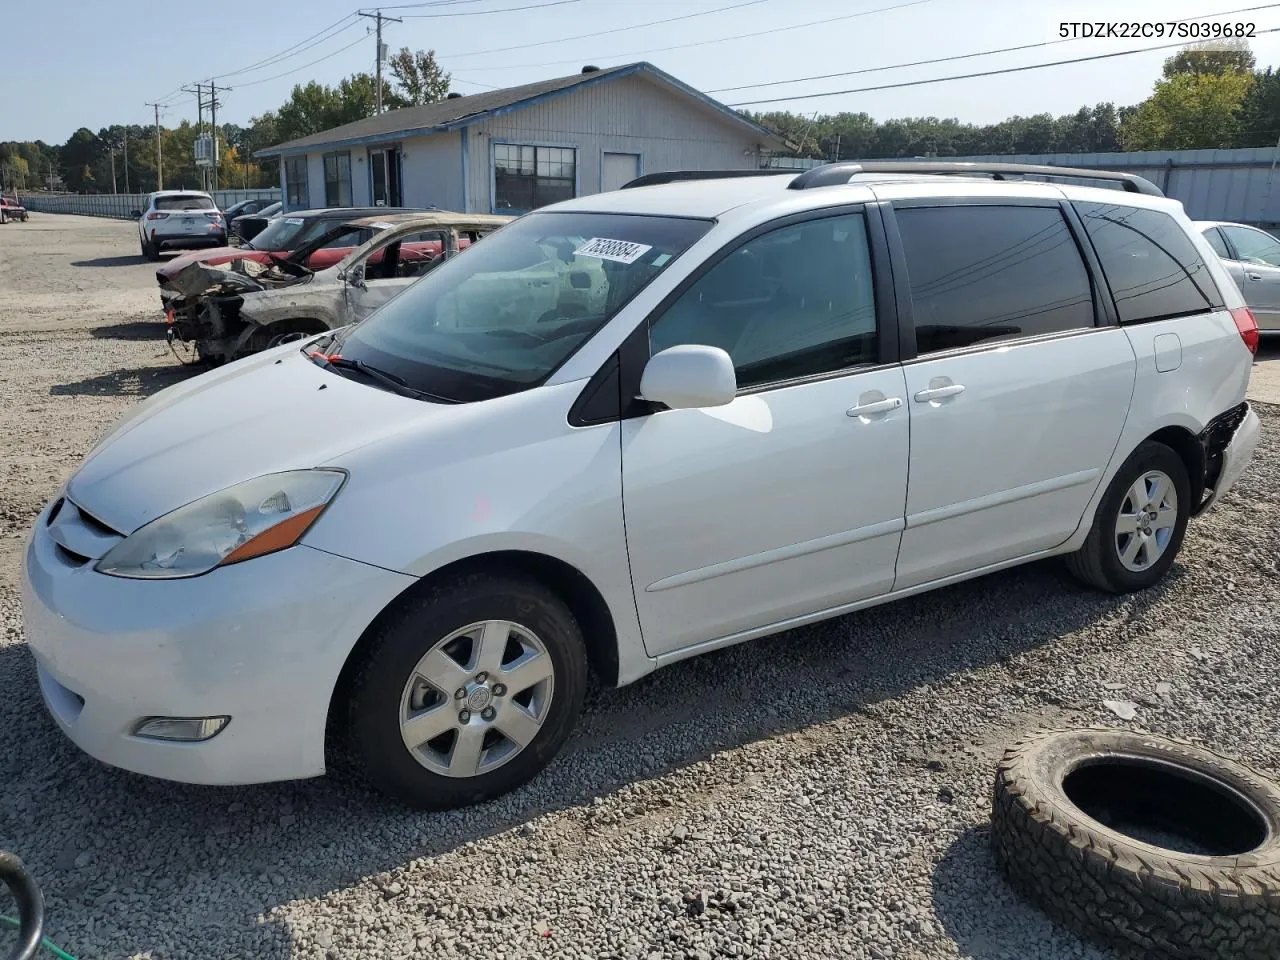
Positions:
(285, 235)
(247, 208)
(248, 225)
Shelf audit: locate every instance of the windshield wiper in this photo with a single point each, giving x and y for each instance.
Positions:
(391, 381)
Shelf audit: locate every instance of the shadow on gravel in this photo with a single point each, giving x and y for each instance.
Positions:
(131, 330)
(215, 861)
(987, 920)
(122, 261)
(136, 382)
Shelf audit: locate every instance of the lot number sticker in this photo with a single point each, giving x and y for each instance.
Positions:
(620, 251)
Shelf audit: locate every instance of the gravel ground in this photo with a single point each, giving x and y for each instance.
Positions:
(823, 793)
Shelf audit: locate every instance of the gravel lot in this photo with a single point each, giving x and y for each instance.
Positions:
(819, 794)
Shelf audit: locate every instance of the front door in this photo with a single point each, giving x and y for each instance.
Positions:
(1017, 399)
(787, 501)
(389, 268)
(1258, 254)
(384, 167)
(617, 169)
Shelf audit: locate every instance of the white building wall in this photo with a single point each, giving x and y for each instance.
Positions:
(633, 114)
(431, 171)
(315, 180)
(361, 182)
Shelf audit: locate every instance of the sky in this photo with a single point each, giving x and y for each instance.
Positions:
(73, 63)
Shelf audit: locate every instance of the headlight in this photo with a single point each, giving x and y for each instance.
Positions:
(247, 520)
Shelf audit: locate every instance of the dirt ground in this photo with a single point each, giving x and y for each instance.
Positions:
(823, 793)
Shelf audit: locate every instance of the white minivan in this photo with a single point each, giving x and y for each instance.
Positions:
(624, 430)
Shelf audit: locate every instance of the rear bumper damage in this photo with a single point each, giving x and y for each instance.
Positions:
(1228, 441)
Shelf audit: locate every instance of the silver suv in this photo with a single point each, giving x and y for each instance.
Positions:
(179, 219)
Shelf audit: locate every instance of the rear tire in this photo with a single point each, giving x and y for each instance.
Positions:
(1139, 525)
(483, 674)
(150, 251)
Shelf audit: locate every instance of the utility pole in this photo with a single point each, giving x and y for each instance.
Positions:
(213, 109)
(112, 151)
(159, 156)
(199, 92)
(378, 17)
(126, 159)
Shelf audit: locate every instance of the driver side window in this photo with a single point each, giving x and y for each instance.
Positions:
(1254, 246)
(795, 302)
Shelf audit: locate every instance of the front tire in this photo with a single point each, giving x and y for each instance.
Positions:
(464, 691)
(1140, 523)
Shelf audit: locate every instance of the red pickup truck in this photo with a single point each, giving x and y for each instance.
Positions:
(11, 209)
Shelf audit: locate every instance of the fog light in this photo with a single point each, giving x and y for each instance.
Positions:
(181, 728)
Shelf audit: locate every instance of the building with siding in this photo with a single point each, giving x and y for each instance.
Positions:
(513, 150)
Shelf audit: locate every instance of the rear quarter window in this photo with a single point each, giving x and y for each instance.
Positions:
(1154, 270)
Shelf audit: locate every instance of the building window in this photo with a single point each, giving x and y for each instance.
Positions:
(337, 179)
(295, 182)
(525, 178)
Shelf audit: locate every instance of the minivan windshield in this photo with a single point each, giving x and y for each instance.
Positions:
(503, 316)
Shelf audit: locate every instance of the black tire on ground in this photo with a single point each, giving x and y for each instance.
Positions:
(1097, 562)
(150, 251)
(1218, 903)
(366, 733)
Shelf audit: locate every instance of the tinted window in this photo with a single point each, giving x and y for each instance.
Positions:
(792, 303)
(191, 201)
(1254, 246)
(981, 273)
(1152, 267)
(1215, 241)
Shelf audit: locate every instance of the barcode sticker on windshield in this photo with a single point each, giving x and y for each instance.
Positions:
(621, 251)
(295, 221)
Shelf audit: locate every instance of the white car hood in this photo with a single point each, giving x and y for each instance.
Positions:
(271, 412)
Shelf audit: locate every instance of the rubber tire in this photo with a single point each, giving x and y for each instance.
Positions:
(1117, 890)
(1096, 562)
(151, 252)
(370, 738)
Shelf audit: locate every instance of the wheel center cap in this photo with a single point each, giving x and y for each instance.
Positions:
(479, 698)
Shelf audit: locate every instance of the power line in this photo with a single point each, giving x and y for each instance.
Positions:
(969, 76)
(329, 32)
(964, 56)
(702, 43)
(601, 33)
(480, 13)
(254, 83)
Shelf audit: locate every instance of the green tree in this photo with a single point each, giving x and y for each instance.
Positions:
(1260, 111)
(1189, 111)
(78, 157)
(419, 77)
(1212, 57)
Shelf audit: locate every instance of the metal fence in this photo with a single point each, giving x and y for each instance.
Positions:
(121, 205)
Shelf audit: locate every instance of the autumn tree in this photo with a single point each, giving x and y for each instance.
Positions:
(1190, 110)
(419, 77)
(1215, 58)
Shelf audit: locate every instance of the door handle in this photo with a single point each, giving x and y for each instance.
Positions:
(1254, 276)
(940, 393)
(874, 407)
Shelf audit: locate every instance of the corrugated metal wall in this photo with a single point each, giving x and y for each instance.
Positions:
(1240, 185)
(120, 205)
(431, 168)
(628, 115)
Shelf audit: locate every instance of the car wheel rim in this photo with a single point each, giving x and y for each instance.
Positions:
(1147, 518)
(477, 698)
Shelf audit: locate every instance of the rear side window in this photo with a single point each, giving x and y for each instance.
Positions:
(1154, 270)
(795, 302)
(192, 201)
(1254, 246)
(980, 273)
(1215, 241)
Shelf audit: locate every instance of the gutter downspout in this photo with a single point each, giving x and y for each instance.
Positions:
(465, 134)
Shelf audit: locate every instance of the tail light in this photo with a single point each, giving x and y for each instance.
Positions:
(1247, 324)
(156, 215)
(215, 217)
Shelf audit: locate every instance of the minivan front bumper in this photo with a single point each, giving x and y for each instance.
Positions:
(1229, 442)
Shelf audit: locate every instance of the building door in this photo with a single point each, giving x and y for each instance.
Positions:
(618, 168)
(384, 165)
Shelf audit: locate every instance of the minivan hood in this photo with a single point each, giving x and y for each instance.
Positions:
(270, 412)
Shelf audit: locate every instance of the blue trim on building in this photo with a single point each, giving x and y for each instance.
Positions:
(604, 77)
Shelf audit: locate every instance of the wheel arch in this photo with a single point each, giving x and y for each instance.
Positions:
(1190, 451)
(583, 598)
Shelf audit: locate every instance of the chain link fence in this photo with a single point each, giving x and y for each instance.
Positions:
(121, 205)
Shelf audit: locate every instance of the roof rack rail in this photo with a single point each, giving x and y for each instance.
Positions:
(673, 176)
(833, 174)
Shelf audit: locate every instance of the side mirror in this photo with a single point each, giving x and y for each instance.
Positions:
(355, 278)
(689, 376)
(136, 214)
